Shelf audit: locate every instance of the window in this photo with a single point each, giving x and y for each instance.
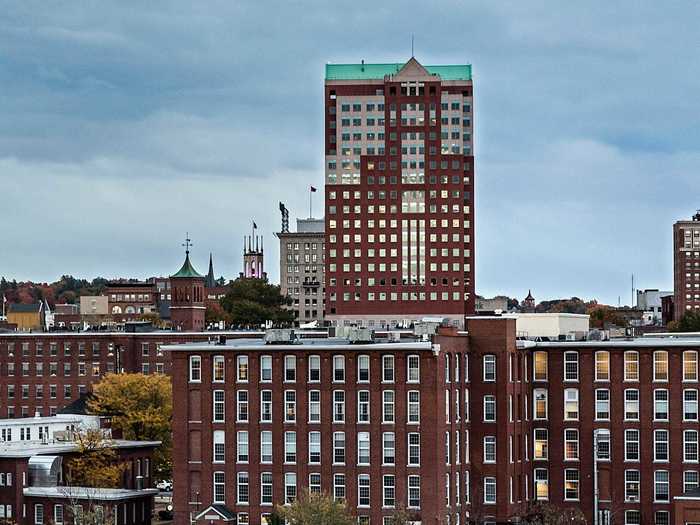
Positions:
(290, 406)
(690, 365)
(338, 369)
(290, 368)
(242, 454)
(660, 445)
(315, 447)
(414, 492)
(388, 369)
(363, 406)
(339, 487)
(690, 405)
(195, 369)
(266, 446)
(602, 437)
(540, 400)
(570, 444)
(540, 366)
(314, 369)
(243, 488)
(661, 405)
(490, 408)
(413, 372)
(388, 403)
(266, 406)
(363, 369)
(242, 406)
(631, 404)
(363, 448)
(661, 486)
(266, 369)
(290, 487)
(39, 514)
(389, 491)
(602, 365)
(314, 406)
(631, 366)
(631, 485)
(633, 517)
(690, 446)
(266, 488)
(388, 448)
(541, 448)
(489, 449)
(602, 404)
(218, 369)
(315, 483)
(570, 366)
(414, 406)
(489, 367)
(339, 448)
(691, 480)
(218, 406)
(219, 446)
(219, 487)
(338, 406)
(363, 491)
(631, 445)
(242, 368)
(571, 404)
(490, 490)
(660, 365)
(414, 449)
(662, 517)
(57, 514)
(571, 484)
(290, 447)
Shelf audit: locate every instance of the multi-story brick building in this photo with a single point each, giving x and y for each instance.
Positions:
(686, 266)
(302, 269)
(130, 300)
(473, 425)
(399, 193)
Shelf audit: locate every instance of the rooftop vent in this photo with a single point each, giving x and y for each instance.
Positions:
(279, 336)
(359, 335)
(426, 328)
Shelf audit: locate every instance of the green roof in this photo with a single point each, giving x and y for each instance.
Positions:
(187, 269)
(377, 71)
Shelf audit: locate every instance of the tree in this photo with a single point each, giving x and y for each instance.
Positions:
(548, 514)
(141, 407)
(603, 316)
(252, 302)
(314, 508)
(690, 322)
(215, 313)
(402, 516)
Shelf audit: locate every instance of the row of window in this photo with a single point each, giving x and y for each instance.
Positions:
(242, 372)
(314, 406)
(444, 106)
(39, 391)
(243, 495)
(339, 452)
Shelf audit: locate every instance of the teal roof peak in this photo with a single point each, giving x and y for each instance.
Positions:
(187, 269)
(378, 71)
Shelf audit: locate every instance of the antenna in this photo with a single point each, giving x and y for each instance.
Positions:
(412, 55)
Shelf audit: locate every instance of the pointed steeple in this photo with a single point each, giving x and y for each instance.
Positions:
(210, 281)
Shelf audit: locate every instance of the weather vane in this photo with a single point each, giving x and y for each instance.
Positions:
(187, 244)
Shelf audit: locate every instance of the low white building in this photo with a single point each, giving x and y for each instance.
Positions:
(554, 326)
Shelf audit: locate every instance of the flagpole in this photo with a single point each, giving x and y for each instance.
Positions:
(310, 194)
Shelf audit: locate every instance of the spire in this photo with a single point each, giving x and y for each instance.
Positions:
(210, 281)
(187, 269)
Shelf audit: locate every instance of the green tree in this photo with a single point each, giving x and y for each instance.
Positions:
(602, 316)
(252, 302)
(313, 508)
(141, 407)
(548, 514)
(690, 322)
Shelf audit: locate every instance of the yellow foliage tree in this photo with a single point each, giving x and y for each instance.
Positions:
(313, 508)
(141, 407)
(96, 464)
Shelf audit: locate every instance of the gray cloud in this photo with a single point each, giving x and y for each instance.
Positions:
(126, 124)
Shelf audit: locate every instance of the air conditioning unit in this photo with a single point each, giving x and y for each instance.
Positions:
(357, 335)
(279, 336)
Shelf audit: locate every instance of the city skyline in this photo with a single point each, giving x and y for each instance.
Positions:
(126, 130)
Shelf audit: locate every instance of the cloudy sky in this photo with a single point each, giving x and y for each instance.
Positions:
(125, 124)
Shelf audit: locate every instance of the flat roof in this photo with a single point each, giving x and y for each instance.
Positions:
(315, 344)
(81, 493)
(22, 449)
(378, 71)
(621, 343)
(43, 420)
(156, 332)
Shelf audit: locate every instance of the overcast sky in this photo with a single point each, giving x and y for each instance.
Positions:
(125, 124)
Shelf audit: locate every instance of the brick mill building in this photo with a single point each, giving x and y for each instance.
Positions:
(473, 425)
(686, 266)
(399, 193)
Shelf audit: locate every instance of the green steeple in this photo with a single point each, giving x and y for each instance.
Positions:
(187, 269)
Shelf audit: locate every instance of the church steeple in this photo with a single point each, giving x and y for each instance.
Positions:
(210, 281)
(187, 290)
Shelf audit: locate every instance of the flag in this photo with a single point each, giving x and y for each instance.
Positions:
(255, 226)
(313, 190)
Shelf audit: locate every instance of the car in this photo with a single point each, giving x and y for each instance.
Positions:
(165, 485)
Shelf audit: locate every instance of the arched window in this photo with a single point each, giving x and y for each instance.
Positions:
(116, 309)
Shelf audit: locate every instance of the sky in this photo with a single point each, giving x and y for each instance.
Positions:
(126, 124)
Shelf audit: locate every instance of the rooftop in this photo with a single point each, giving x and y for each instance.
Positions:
(19, 449)
(19, 308)
(187, 269)
(302, 344)
(83, 493)
(378, 71)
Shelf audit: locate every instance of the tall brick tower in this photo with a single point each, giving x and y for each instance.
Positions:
(187, 305)
(399, 192)
(253, 257)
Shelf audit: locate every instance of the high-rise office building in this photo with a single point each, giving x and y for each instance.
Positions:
(399, 193)
(686, 266)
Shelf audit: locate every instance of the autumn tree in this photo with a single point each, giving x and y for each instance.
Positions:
(141, 407)
(252, 302)
(690, 322)
(314, 508)
(548, 514)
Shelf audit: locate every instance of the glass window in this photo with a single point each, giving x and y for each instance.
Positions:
(242, 454)
(631, 485)
(363, 453)
(266, 368)
(242, 366)
(266, 446)
(489, 408)
(571, 404)
(195, 368)
(690, 365)
(290, 368)
(571, 484)
(540, 399)
(388, 406)
(631, 445)
(660, 365)
(243, 488)
(541, 484)
(660, 445)
(363, 492)
(489, 449)
(414, 449)
(219, 446)
(414, 492)
(266, 406)
(218, 412)
(631, 365)
(570, 366)
(388, 448)
(414, 406)
(540, 366)
(602, 404)
(338, 369)
(338, 406)
(218, 369)
(690, 404)
(661, 405)
(631, 404)
(290, 406)
(571, 444)
(290, 447)
(413, 372)
(219, 487)
(314, 369)
(388, 369)
(266, 488)
(363, 369)
(489, 367)
(541, 447)
(690, 446)
(315, 447)
(339, 448)
(602, 365)
(314, 406)
(490, 490)
(602, 437)
(242, 406)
